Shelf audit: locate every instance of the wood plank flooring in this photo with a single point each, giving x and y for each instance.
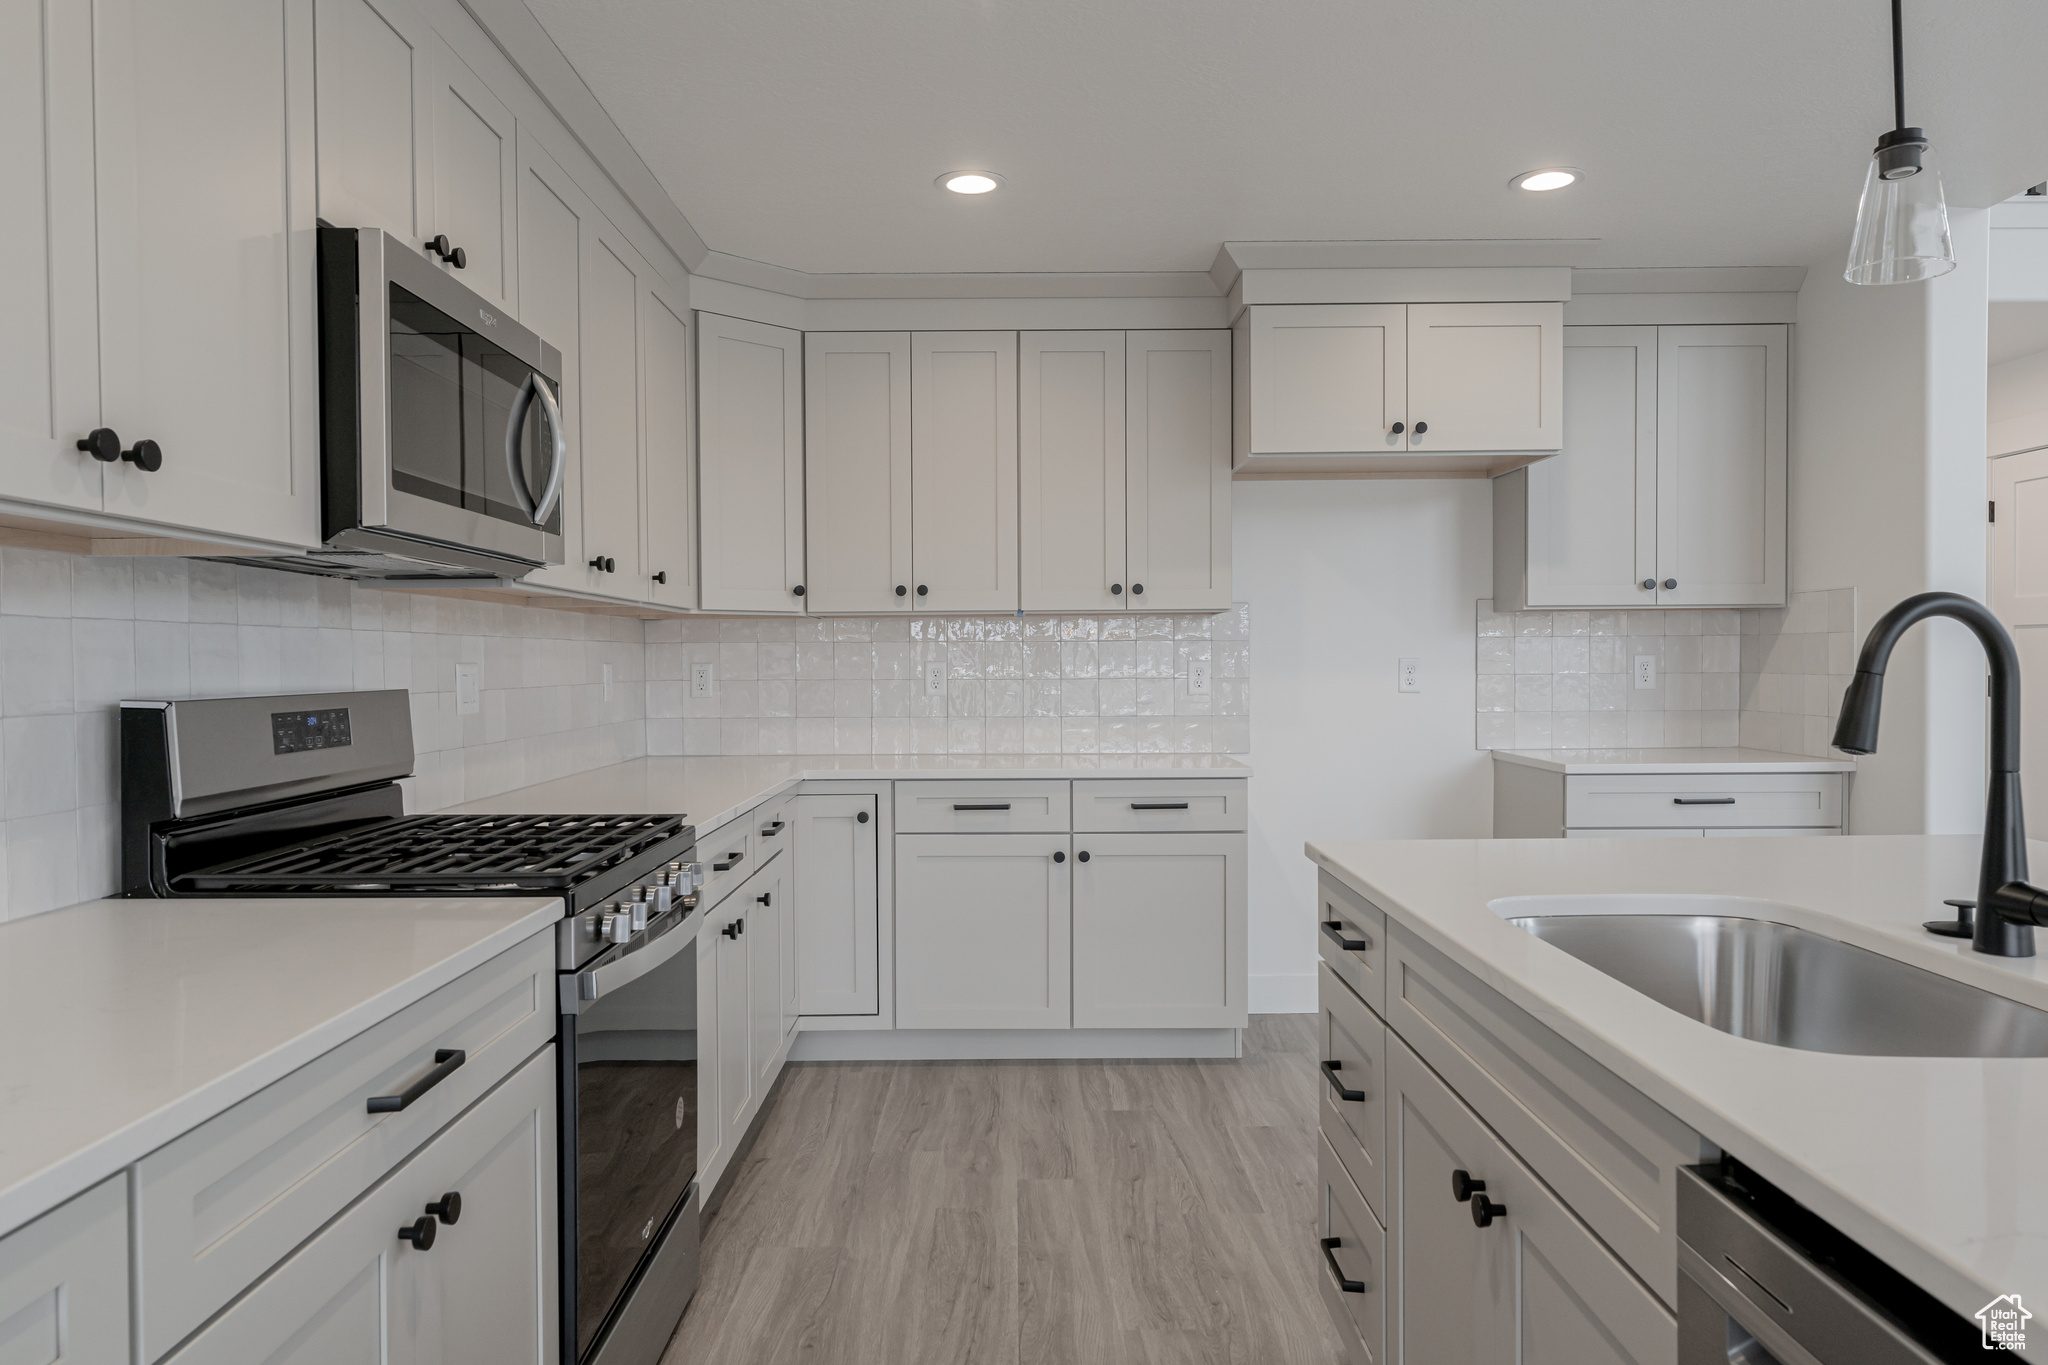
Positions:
(1026, 1213)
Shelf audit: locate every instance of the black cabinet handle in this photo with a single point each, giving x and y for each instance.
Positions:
(1330, 1245)
(1335, 929)
(448, 1208)
(1082, 856)
(902, 591)
(1137, 589)
(420, 1233)
(731, 930)
(922, 590)
(103, 444)
(773, 829)
(446, 1060)
(862, 817)
(661, 577)
(731, 860)
(147, 456)
(1649, 585)
(798, 590)
(1159, 805)
(604, 564)
(762, 899)
(1670, 582)
(1116, 590)
(1702, 800)
(1398, 428)
(1421, 427)
(1059, 857)
(989, 805)
(1330, 1070)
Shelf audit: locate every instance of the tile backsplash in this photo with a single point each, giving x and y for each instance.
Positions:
(1763, 677)
(1010, 685)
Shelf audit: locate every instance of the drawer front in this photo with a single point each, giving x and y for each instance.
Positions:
(219, 1206)
(1037, 807)
(1164, 803)
(64, 1282)
(1354, 1088)
(1703, 800)
(1354, 1287)
(1351, 935)
(772, 827)
(729, 857)
(1611, 1153)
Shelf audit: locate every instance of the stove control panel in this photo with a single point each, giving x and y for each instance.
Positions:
(299, 732)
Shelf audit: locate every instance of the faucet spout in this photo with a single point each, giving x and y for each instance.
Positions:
(2007, 907)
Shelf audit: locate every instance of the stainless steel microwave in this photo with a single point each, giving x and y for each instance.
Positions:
(442, 449)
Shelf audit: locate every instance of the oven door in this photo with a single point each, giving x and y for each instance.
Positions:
(628, 1053)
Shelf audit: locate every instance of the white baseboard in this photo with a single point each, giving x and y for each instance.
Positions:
(1282, 993)
(920, 1045)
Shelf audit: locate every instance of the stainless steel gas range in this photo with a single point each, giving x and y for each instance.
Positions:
(299, 796)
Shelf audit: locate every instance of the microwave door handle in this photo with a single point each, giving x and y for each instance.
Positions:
(552, 494)
(515, 436)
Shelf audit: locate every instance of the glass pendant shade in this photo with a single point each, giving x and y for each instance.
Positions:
(1902, 223)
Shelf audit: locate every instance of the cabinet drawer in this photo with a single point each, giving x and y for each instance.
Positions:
(771, 827)
(1163, 803)
(1353, 1044)
(982, 808)
(64, 1282)
(1702, 800)
(1610, 1152)
(729, 858)
(1345, 919)
(1359, 1257)
(221, 1205)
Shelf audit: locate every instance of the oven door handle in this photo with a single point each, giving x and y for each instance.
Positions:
(629, 967)
(537, 510)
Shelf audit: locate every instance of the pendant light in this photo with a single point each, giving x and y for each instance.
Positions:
(1902, 223)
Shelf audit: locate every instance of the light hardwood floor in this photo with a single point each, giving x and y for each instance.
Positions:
(1035, 1213)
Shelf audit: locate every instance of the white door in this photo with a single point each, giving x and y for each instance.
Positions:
(1179, 424)
(2018, 577)
(64, 1282)
(834, 944)
(204, 114)
(984, 931)
(475, 179)
(612, 298)
(375, 115)
(554, 217)
(728, 937)
(857, 471)
(1592, 511)
(671, 555)
(1328, 379)
(1721, 466)
(1071, 471)
(963, 470)
(750, 465)
(761, 918)
(1485, 376)
(49, 306)
(1159, 930)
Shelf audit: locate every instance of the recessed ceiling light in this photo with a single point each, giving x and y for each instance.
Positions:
(1549, 178)
(970, 182)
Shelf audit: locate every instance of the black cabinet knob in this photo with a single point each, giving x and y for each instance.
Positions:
(1116, 590)
(1463, 1186)
(458, 258)
(1398, 428)
(448, 1208)
(604, 564)
(1670, 582)
(922, 590)
(102, 444)
(661, 577)
(450, 255)
(1082, 856)
(1059, 857)
(1421, 427)
(902, 591)
(1483, 1213)
(1137, 589)
(762, 899)
(798, 590)
(862, 817)
(1649, 585)
(147, 456)
(420, 1233)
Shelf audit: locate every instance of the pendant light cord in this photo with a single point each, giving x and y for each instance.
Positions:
(1898, 66)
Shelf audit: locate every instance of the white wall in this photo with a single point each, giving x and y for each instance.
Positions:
(2018, 403)
(1344, 578)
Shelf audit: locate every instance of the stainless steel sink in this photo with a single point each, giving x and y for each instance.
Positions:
(1776, 984)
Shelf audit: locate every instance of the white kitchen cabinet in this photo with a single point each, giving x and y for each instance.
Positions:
(1159, 931)
(1326, 379)
(1353, 1276)
(2018, 577)
(376, 66)
(750, 465)
(475, 165)
(49, 306)
(764, 903)
(1721, 466)
(64, 1282)
(857, 492)
(670, 558)
(836, 931)
(1485, 376)
(1532, 802)
(1072, 472)
(1179, 444)
(722, 944)
(203, 115)
(984, 931)
(963, 462)
(612, 297)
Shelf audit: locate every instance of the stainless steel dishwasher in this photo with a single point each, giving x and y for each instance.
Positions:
(1763, 1281)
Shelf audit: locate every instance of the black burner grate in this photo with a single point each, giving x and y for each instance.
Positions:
(439, 852)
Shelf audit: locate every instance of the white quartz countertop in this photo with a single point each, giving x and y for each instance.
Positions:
(1933, 1164)
(131, 1022)
(1671, 761)
(711, 791)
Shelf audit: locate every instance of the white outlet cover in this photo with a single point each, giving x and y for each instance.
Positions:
(935, 680)
(701, 681)
(1198, 680)
(468, 697)
(1646, 672)
(1409, 676)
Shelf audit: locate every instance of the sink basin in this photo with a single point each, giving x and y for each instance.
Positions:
(1778, 984)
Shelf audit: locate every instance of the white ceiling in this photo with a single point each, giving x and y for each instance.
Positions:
(1139, 135)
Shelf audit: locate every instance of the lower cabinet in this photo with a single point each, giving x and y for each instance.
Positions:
(984, 931)
(730, 1033)
(64, 1282)
(478, 1286)
(1159, 931)
(1354, 1247)
(836, 932)
(744, 1008)
(766, 901)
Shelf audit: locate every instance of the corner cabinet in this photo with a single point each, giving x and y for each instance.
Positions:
(750, 460)
(1670, 488)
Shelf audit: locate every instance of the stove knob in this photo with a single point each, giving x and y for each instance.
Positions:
(617, 927)
(696, 874)
(658, 897)
(638, 909)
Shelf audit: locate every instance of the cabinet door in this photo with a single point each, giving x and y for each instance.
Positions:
(64, 1282)
(1159, 931)
(984, 931)
(49, 322)
(857, 471)
(2018, 580)
(764, 898)
(204, 115)
(554, 218)
(735, 1073)
(374, 116)
(1179, 471)
(1533, 1287)
(963, 470)
(1328, 379)
(475, 179)
(1071, 471)
(671, 486)
(612, 299)
(1592, 511)
(750, 465)
(1721, 466)
(1486, 376)
(834, 943)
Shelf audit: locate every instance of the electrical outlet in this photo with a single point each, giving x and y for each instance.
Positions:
(468, 698)
(607, 682)
(935, 680)
(1409, 677)
(1198, 680)
(1646, 672)
(700, 681)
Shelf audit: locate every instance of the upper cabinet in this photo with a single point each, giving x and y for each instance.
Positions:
(374, 109)
(963, 470)
(1670, 490)
(1178, 400)
(857, 494)
(750, 459)
(554, 217)
(669, 556)
(1072, 472)
(475, 171)
(1398, 388)
(613, 292)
